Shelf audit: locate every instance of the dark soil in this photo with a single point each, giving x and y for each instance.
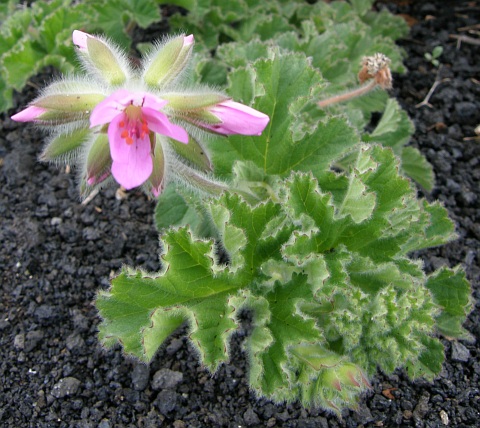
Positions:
(56, 253)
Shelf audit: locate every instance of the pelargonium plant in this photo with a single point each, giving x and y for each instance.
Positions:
(319, 256)
(137, 126)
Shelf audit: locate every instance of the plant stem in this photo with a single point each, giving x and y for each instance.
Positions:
(362, 90)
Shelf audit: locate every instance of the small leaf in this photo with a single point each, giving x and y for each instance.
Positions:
(418, 168)
(429, 363)
(172, 210)
(451, 291)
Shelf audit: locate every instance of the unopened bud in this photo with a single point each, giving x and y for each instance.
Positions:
(105, 60)
(168, 61)
(99, 161)
(56, 109)
(185, 101)
(63, 146)
(157, 178)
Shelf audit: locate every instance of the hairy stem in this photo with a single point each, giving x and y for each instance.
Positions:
(362, 90)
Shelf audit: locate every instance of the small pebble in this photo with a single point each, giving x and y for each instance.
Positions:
(166, 379)
(460, 352)
(140, 377)
(67, 386)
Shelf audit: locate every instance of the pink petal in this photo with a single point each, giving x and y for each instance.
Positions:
(80, 39)
(159, 123)
(29, 114)
(119, 149)
(153, 102)
(238, 119)
(132, 163)
(110, 107)
(188, 40)
(134, 172)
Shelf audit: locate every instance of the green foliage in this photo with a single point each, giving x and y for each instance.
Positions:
(451, 291)
(323, 263)
(37, 36)
(116, 18)
(325, 273)
(434, 55)
(394, 130)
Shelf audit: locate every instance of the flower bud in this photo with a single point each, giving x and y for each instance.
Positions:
(101, 58)
(236, 118)
(168, 61)
(99, 162)
(30, 114)
(157, 177)
(182, 102)
(63, 146)
(57, 108)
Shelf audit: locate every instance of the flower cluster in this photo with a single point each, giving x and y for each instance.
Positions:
(134, 125)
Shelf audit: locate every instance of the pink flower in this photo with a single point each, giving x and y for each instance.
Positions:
(237, 118)
(133, 118)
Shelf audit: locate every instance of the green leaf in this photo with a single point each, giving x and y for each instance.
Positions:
(187, 286)
(380, 231)
(20, 63)
(433, 228)
(287, 83)
(429, 364)
(362, 6)
(192, 286)
(451, 291)
(394, 129)
(287, 327)
(178, 207)
(417, 167)
(114, 16)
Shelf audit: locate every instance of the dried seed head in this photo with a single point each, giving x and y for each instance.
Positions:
(376, 67)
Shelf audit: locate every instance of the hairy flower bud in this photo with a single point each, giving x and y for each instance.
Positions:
(99, 162)
(101, 58)
(168, 61)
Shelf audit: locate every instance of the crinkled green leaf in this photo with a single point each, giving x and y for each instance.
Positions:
(381, 234)
(287, 327)
(187, 285)
(435, 228)
(177, 206)
(429, 364)
(452, 293)
(192, 285)
(331, 290)
(417, 167)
